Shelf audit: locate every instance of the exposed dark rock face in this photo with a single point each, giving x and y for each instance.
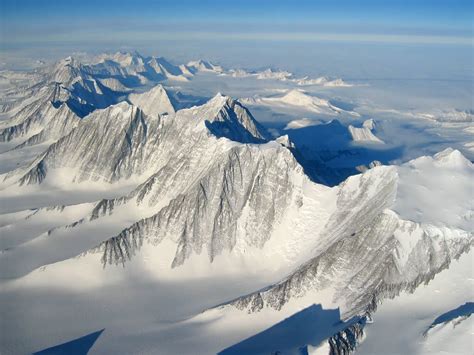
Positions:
(346, 341)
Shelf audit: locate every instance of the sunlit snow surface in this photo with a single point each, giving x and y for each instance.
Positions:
(410, 316)
(138, 197)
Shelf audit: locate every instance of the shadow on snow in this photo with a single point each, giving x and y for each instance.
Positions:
(79, 346)
(311, 326)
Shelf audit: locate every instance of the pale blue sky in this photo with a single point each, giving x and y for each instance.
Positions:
(108, 20)
(422, 38)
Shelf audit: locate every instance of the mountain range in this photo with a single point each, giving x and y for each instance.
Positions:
(182, 225)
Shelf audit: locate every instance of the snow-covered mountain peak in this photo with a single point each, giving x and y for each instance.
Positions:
(204, 66)
(197, 63)
(285, 141)
(219, 99)
(448, 158)
(154, 102)
(364, 133)
(69, 60)
(453, 158)
(299, 97)
(118, 132)
(220, 102)
(66, 71)
(125, 58)
(117, 109)
(274, 74)
(437, 190)
(233, 120)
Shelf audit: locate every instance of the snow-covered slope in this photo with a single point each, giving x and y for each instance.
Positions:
(192, 231)
(203, 66)
(61, 121)
(297, 99)
(102, 147)
(169, 71)
(370, 223)
(122, 142)
(285, 76)
(364, 133)
(50, 105)
(434, 319)
(153, 102)
(190, 138)
(365, 253)
(449, 174)
(250, 207)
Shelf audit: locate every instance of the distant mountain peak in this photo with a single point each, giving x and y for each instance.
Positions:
(452, 157)
(204, 66)
(154, 102)
(233, 121)
(66, 71)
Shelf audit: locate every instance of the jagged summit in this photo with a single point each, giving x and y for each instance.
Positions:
(155, 102)
(232, 120)
(66, 71)
(131, 139)
(366, 245)
(163, 69)
(33, 116)
(61, 120)
(274, 74)
(127, 58)
(108, 145)
(285, 141)
(122, 63)
(204, 66)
